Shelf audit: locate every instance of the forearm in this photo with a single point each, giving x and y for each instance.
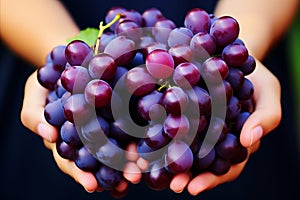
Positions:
(32, 28)
(262, 23)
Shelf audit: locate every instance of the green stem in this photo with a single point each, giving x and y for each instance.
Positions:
(102, 29)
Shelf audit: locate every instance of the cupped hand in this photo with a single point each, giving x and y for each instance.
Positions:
(265, 118)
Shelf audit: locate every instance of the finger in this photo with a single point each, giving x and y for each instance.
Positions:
(207, 180)
(122, 186)
(142, 164)
(86, 179)
(179, 182)
(132, 172)
(32, 114)
(267, 114)
(131, 152)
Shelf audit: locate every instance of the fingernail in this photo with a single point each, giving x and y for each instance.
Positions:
(256, 135)
(44, 132)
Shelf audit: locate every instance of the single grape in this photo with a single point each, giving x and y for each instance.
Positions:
(154, 46)
(146, 152)
(151, 16)
(85, 160)
(160, 64)
(225, 30)
(52, 96)
(235, 78)
(108, 178)
(248, 105)
(54, 113)
(214, 70)
(181, 54)
(78, 52)
(186, 75)
(178, 158)
(57, 55)
(221, 91)
(217, 131)
(228, 147)
(75, 78)
(102, 66)
(49, 74)
(204, 159)
(131, 15)
(240, 121)
(76, 109)
(240, 155)
(116, 132)
(69, 134)
(235, 54)
(111, 15)
(175, 100)
(65, 150)
(106, 38)
(129, 29)
(158, 178)
(248, 66)
(139, 82)
(197, 125)
(98, 93)
(220, 166)
(197, 20)
(119, 76)
(176, 126)
(203, 45)
(138, 60)
(121, 49)
(155, 136)
(180, 36)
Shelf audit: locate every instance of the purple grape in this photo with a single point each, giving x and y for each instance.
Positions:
(186, 75)
(146, 104)
(121, 49)
(240, 121)
(75, 78)
(78, 53)
(102, 66)
(214, 70)
(162, 29)
(155, 136)
(220, 166)
(59, 89)
(203, 45)
(198, 98)
(76, 109)
(180, 36)
(138, 60)
(48, 75)
(240, 155)
(181, 54)
(217, 130)
(225, 30)
(158, 178)
(248, 105)
(160, 64)
(95, 131)
(118, 134)
(178, 158)
(248, 66)
(235, 78)
(85, 160)
(98, 93)
(120, 72)
(111, 15)
(106, 38)
(65, 150)
(146, 152)
(204, 159)
(150, 17)
(175, 100)
(110, 153)
(227, 148)
(197, 20)
(69, 134)
(235, 54)
(144, 42)
(54, 113)
(131, 15)
(233, 109)
(129, 29)
(57, 55)
(139, 82)
(246, 91)
(154, 46)
(197, 125)
(221, 91)
(64, 98)
(108, 178)
(176, 126)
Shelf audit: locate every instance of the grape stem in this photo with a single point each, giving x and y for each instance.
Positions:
(165, 84)
(102, 29)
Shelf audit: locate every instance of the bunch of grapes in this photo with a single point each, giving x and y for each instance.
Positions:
(179, 93)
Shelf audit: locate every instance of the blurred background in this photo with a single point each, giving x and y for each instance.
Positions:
(28, 171)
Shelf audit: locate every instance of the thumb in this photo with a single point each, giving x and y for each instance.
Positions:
(32, 113)
(267, 114)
